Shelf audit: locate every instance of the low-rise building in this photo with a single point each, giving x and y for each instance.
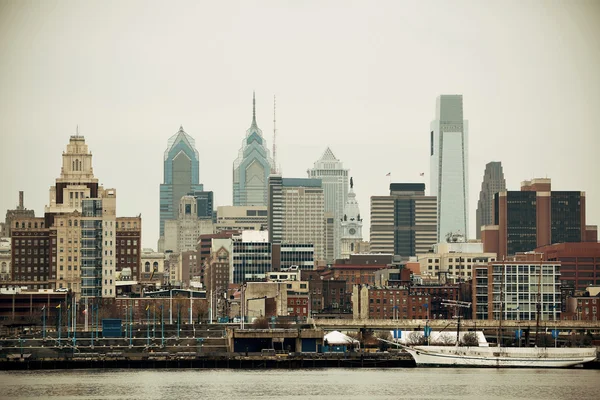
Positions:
(370, 302)
(5, 259)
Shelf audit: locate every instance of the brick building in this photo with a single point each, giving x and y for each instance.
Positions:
(369, 302)
(580, 263)
(129, 245)
(536, 216)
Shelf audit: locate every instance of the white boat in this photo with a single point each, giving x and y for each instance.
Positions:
(532, 357)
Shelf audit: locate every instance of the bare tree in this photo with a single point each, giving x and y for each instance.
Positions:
(260, 323)
(416, 338)
(470, 339)
(444, 340)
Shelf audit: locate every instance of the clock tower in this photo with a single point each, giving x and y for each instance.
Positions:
(351, 225)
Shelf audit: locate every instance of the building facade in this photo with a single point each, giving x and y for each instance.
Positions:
(453, 262)
(182, 234)
(181, 170)
(580, 263)
(535, 216)
(296, 213)
(334, 181)
(129, 245)
(252, 168)
(511, 290)
(242, 218)
(370, 302)
(5, 260)
(449, 155)
(403, 223)
(493, 182)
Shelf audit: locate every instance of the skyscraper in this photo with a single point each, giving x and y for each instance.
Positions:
(335, 187)
(296, 213)
(403, 223)
(252, 167)
(181, 175)
(536, 216)
(493, 182)
(449, 166)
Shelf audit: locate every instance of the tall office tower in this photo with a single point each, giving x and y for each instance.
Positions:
(533, 217)
(493, 182)
(296, 213)
(449, 166)
(403, 223)
(335, 186)
(351, 225)
(252, 167)
(181, 175)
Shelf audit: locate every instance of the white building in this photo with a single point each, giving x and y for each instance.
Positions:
(182, 234)
(351, 225)
(241, 218)
(334, 180)
(5, 259)
(449, 157)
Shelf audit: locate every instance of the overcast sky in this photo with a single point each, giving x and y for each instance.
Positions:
(361, 77)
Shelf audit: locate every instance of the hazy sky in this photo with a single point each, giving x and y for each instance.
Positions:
(361, 77)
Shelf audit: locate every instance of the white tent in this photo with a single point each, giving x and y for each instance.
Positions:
(337, 338)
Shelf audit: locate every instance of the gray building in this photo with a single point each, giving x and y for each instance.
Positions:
(252, 167)
(297, 212)
(181, 175)
(403, 223)
(493, 182)
(449, 154)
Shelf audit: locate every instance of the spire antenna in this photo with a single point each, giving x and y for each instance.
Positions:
(274, 135)
(254, 107)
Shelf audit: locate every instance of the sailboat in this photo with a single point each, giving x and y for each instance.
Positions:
(500, 357)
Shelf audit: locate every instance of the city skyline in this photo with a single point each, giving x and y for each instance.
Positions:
(523, 105)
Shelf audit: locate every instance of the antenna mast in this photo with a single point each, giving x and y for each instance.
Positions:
(275, 169)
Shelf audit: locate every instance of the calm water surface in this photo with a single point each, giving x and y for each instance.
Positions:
(413, 383)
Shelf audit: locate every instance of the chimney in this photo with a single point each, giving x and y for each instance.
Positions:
(20, 200)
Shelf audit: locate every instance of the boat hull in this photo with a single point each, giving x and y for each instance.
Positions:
(527, 357)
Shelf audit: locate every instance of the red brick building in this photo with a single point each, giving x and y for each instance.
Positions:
(389, 303)
(129, 245)
(580, 263)
(327, 295)
(582, 308)
(298, 305)
(30, 252)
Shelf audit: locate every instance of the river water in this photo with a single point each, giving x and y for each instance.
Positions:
(409, 383)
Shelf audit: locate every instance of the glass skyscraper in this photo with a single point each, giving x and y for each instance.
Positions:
(252, 168)
(181, 175)
(449, 166)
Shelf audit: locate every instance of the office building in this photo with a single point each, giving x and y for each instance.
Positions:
(453, 262)
(535, 216)
(449, 161)
(182, 234)
(252, 167)
(129, 245)
(181, 170)
(403, 223)
(296, 213)
(334, 181)
(493, 182)
(204, 204)
(580, 263)
(241, 218)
